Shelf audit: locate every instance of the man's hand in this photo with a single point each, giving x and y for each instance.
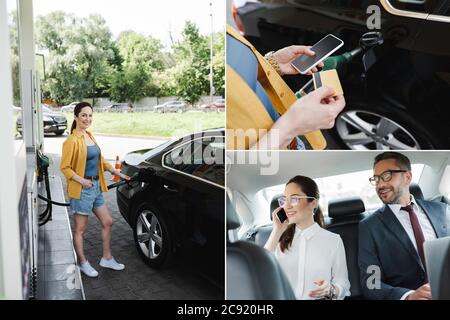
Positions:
(285, 56)
(422, 293)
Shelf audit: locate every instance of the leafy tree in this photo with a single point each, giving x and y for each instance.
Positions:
(141, 59)
(80, 52)
(192, 71)
(219, 63)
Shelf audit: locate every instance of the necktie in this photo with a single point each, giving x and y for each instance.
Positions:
(418, 234)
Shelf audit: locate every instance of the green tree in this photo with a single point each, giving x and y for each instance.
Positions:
(192, 70)
(80, 53)
(219, 63)
(142, 59)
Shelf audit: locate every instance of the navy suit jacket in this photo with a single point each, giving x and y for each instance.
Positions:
(384, 244)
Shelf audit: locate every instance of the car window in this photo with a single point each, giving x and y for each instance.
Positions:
(340, 186)
(423, 6)
(444, 186)
(202, 158)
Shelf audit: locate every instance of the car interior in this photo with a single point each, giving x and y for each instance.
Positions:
(253, 227)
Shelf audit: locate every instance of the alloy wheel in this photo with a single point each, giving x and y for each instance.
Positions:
(363, 130)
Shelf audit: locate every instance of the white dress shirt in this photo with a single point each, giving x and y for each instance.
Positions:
(403, 217)
(315, 254)
(425, 224)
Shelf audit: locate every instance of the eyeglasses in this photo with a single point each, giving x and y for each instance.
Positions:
(385, 176)
(293, 200)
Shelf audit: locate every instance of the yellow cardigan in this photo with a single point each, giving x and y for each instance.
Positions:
(245, 110)
(73, 162)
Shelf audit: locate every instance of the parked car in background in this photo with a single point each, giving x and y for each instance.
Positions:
(54, 122)
(399, 103)
(69, 108)
(171, 106)
(177, 214)
(118, 107)
(218, 106)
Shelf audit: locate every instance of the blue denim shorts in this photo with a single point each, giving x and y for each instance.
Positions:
(89, 199)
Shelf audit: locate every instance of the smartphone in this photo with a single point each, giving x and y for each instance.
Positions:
(323, 49)
(282, 215)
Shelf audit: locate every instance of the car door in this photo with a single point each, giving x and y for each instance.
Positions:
(198, 178)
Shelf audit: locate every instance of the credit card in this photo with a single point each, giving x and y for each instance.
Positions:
(328, 79)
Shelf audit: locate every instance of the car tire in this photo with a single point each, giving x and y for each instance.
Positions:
(59, 133)
(407, 132)
(180, 110)
(155, 250)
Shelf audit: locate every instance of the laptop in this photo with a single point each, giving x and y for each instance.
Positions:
(437, 259)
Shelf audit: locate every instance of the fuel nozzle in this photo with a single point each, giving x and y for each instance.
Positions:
(370, 40)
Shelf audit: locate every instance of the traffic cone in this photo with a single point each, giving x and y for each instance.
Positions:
(117, 167)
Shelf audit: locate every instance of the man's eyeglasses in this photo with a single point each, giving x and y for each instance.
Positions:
(293, 200)
(385, 176)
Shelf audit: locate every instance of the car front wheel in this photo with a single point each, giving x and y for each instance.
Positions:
(153, 238)
(376, 127)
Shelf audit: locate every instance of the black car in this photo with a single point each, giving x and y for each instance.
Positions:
(177, 212)
(53, 122)
(401, 102)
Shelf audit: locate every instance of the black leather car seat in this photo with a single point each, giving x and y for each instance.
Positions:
(253, 273)
(344, 216)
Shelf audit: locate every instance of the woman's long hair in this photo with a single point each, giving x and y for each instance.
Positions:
(309, 187)
(76, 112)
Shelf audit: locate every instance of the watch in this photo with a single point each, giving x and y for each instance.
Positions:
(332, 293)
(269, 58)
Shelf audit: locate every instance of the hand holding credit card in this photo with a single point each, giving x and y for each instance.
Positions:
(329, 79)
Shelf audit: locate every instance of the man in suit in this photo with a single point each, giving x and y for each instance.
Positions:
(391, 258)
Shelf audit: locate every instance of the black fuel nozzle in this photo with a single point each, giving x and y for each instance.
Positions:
(368, 42)
(143, 175)
(371, 39)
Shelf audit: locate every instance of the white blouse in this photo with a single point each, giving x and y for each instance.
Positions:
(315, 254)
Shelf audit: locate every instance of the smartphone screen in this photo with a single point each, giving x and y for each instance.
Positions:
(282, 215)
(323, 49)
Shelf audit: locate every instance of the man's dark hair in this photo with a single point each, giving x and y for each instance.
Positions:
(401, 160)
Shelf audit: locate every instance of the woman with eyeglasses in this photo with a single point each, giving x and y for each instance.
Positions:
(312, 258)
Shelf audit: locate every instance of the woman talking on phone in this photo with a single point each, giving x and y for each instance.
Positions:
(83, 165)
(312, 258)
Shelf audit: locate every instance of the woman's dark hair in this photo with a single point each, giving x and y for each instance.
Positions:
(309, 187)
(76, 112)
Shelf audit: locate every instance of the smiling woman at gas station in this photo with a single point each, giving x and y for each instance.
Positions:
(83, 165)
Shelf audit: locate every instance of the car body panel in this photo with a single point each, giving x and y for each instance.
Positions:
(194, 207)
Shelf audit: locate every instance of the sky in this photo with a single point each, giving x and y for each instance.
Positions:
(149, 17)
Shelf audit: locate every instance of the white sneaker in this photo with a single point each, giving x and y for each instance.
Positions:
(87, 269)
(111, 264)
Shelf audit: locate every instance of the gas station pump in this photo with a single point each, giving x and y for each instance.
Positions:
(19, 185)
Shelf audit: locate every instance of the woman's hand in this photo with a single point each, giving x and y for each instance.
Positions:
(123, 176)
(278, 226)
(285, 56)
(119, 174)
(315, 111)
(86, 183)
(321, 291)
